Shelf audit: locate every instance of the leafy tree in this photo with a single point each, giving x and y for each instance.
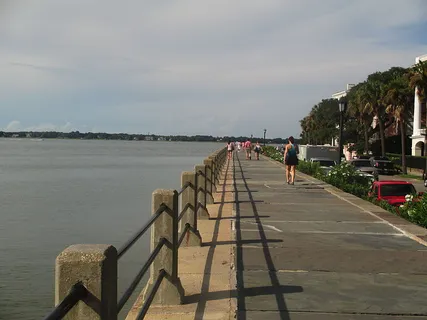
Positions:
(372, 94)
(399, 98)
(319, 127)
(357, 109)
(418, 79)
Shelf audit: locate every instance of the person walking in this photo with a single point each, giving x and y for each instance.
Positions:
(291, 160)
(248, 147)
(257, 150)
(230, 148)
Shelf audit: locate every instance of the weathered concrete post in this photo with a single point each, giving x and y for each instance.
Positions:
(170, 290)
(202, 211)
(189, 200)
(212, 177)
(221, 157)
(216, 168)
(208, 166)
(95, 266)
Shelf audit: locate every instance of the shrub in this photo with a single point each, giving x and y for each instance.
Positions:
(310, 168)
(271, 152)
(415, 211)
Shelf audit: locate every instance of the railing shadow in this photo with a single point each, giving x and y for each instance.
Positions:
(276, 288)
(247, 292)
(201, 305)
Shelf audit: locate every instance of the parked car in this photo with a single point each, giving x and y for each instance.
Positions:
(365, 168)
(326, 164)
(382, 164)
(363, 157)
(393, 191)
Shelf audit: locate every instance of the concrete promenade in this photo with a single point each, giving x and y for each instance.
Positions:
(312, 252)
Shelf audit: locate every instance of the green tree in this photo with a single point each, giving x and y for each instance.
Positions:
(357, 109)
(399, 99)
(418, 79)
(373, 93)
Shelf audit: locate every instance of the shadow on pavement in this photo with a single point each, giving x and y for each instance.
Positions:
(276, 289)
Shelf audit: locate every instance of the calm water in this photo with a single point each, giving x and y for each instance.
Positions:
(55, 193)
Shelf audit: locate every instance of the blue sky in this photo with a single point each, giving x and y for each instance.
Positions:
(193, 67)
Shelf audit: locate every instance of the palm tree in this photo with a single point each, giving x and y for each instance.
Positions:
(400, 99)
(371, 94)
(356, 109)
(418, 79)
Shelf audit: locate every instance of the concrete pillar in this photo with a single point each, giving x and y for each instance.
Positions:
(96, 267)
(213, 175)
(193, 237)
(220, 164)
(216, 167)
(202, 211)
(208, 165)
(417, 115)
(166, 226)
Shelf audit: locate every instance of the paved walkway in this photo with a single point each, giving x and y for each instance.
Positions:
(311, 252)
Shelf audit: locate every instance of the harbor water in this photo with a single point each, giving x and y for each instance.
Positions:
(54, 193)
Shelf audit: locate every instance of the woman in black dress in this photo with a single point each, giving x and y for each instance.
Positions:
(291, 160)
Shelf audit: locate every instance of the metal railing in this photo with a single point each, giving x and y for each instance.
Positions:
(78, 292)
(203, 179)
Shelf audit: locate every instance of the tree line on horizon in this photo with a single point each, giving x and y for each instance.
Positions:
(129, 137)
(385, 98)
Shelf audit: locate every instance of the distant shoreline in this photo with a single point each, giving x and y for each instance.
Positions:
(76, 135)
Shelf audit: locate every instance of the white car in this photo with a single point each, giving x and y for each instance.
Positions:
(326, 164)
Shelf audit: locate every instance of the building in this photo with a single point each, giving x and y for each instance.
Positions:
(418, 133)
(342, 94)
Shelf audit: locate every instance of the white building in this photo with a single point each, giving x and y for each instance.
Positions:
(341, 94)
(418, 134)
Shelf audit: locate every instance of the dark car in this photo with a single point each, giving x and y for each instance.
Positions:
(382, 164)
(365, 167)
(363, 157)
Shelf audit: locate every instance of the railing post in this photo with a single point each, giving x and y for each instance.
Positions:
(209, 195)
(188, 197)
(95, 266)
(220, 164)
(166, 226)
(221, 161)
(212, 177)
(202, 211)
(216, 166)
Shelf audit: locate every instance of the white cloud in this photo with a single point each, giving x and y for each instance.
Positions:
(129, 66)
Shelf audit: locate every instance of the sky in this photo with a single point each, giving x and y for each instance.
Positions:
(191, 67)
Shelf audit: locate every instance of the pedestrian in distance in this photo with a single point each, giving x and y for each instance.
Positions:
(230, 148)
(248, 148)
(257, 150)
(291, 160)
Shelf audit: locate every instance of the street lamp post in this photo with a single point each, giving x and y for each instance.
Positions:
(341, 105)
(265, 131)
